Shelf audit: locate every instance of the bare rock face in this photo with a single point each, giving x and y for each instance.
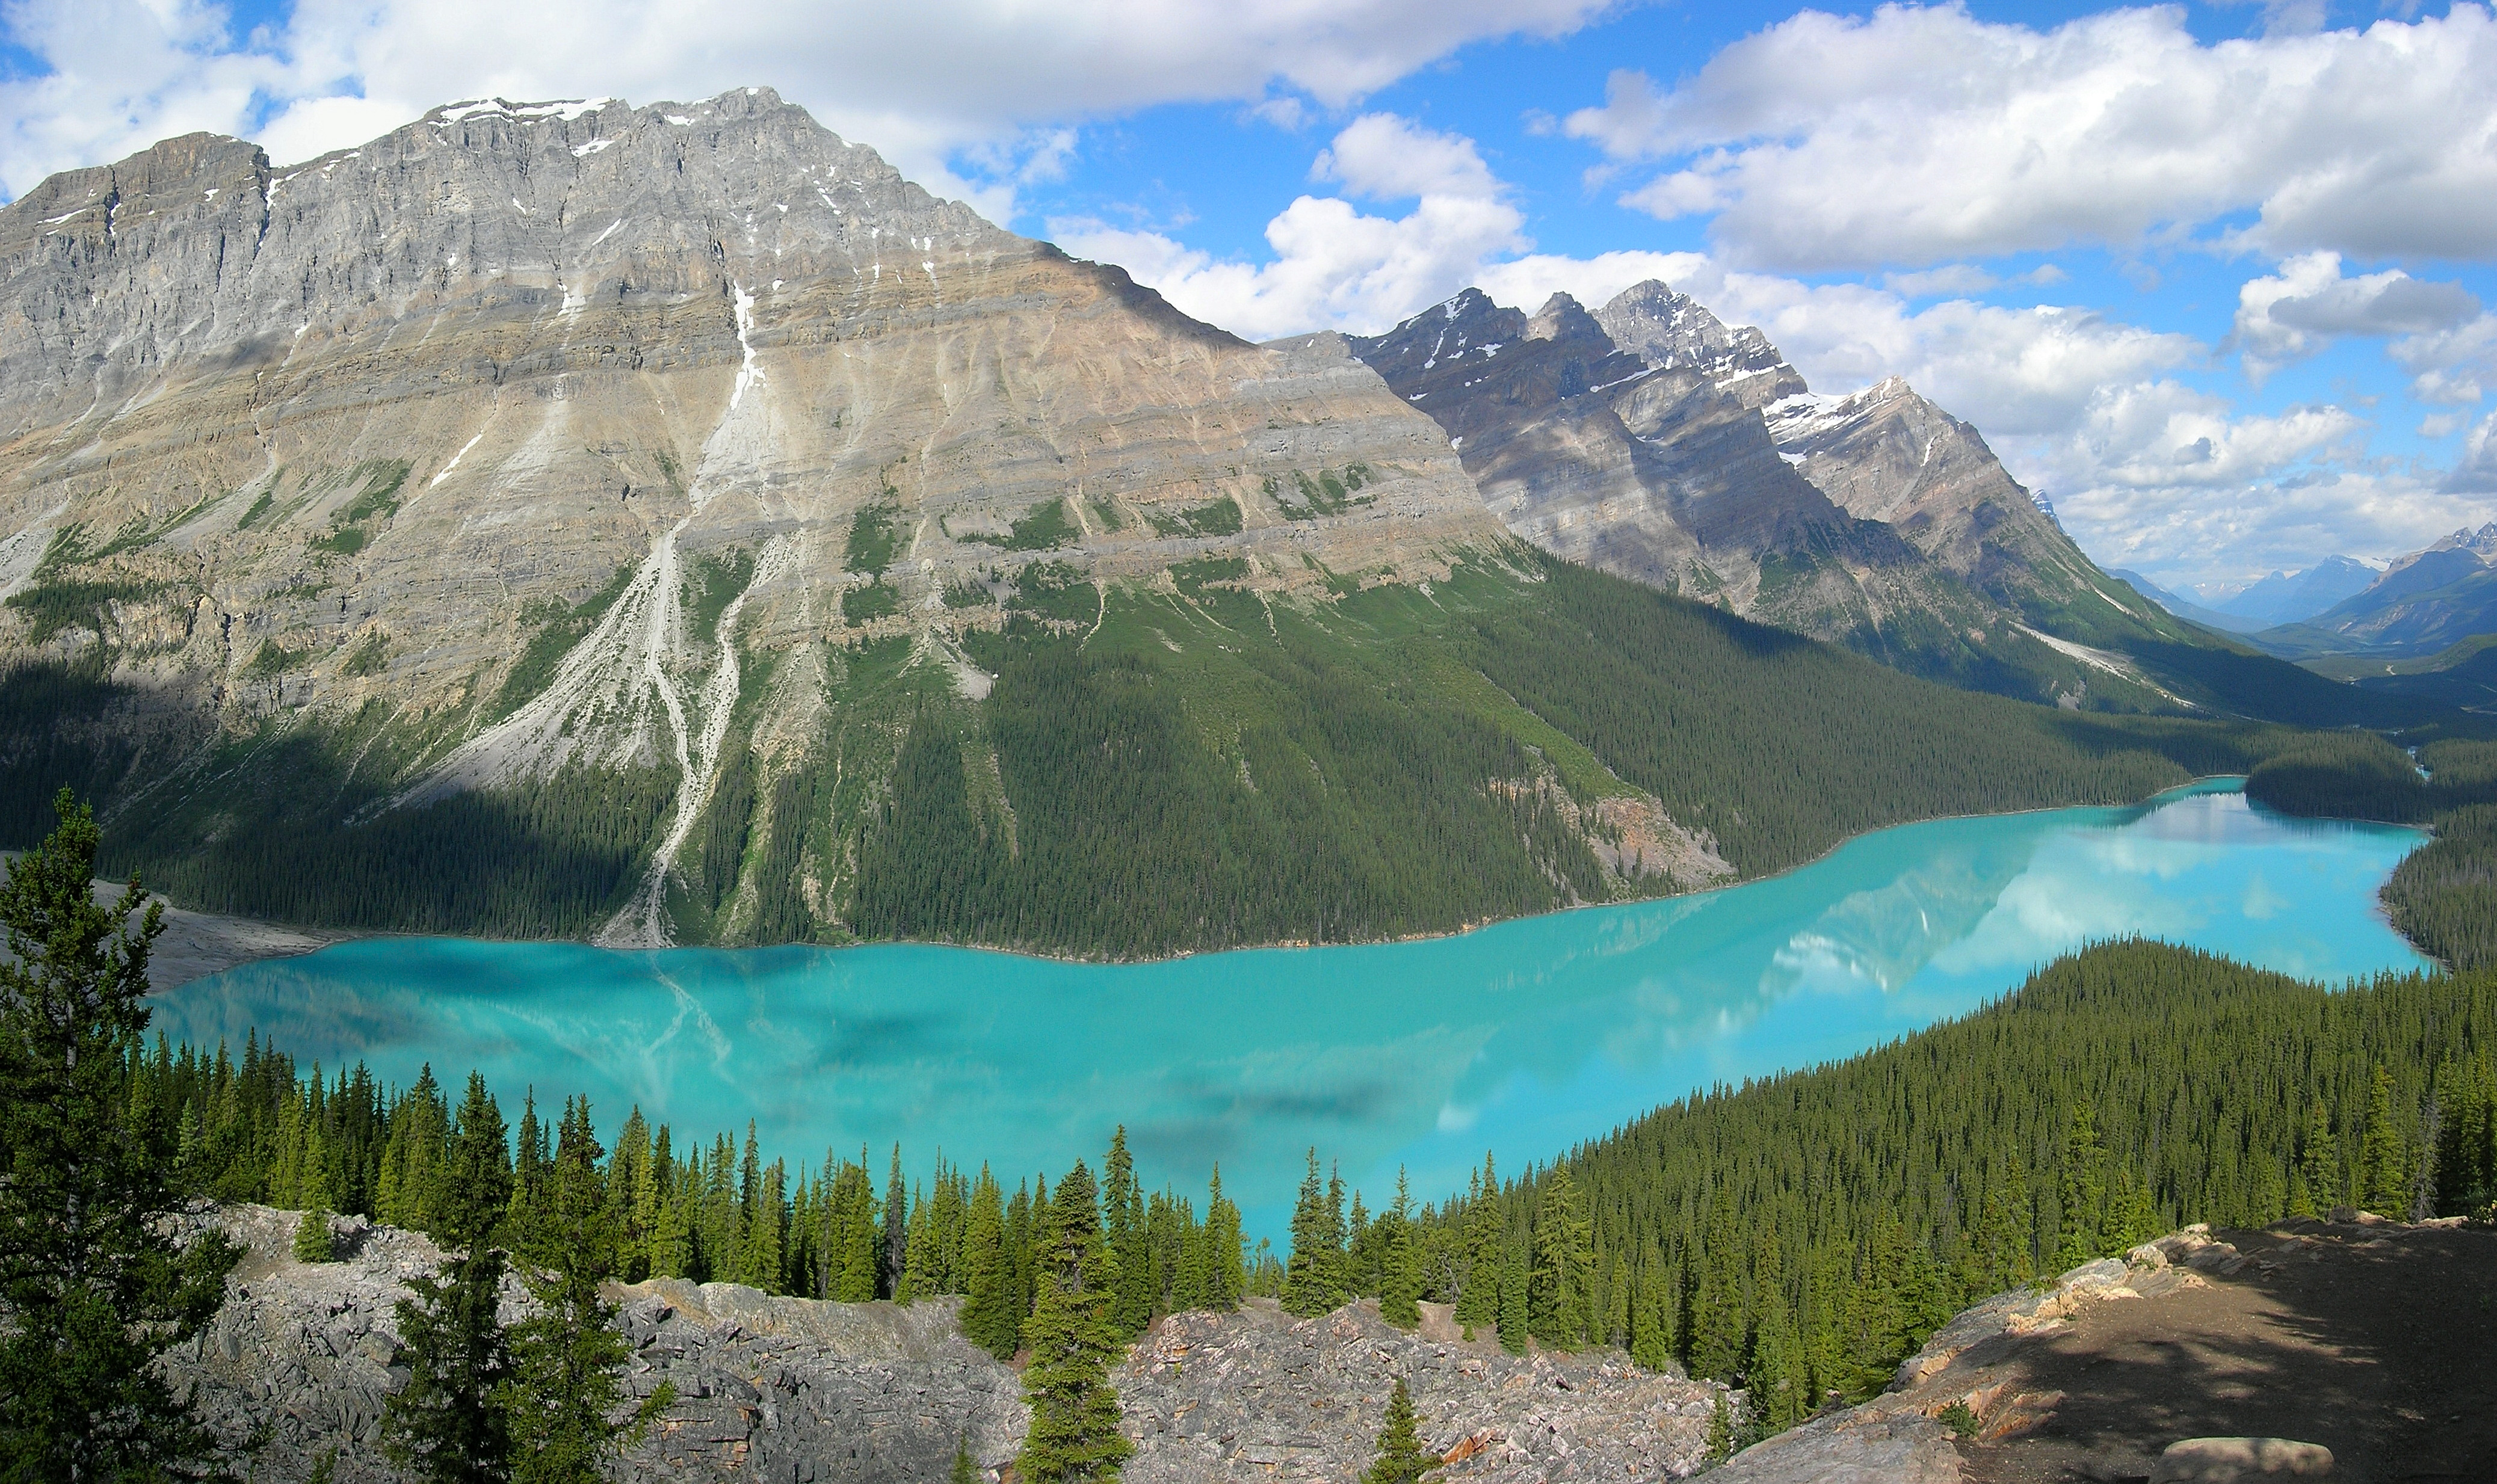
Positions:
(1257, 1395)
(1632, 439)
(297, 1367)
(330, 444)
(1888, 454)
(1650, 439)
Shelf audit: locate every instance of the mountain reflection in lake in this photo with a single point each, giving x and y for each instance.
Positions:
(1523, 1038)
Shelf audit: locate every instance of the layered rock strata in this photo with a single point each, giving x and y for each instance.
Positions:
(335, 446)
(1652, 440)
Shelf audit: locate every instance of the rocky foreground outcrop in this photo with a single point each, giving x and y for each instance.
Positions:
(297, 1364)
(2346, 1331)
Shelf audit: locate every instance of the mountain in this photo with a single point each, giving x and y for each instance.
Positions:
(1651, 441)
(2185, 608)
(2423, 603)
(2292, 597)
(669, 525)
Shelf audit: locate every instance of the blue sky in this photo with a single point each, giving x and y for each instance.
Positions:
(2216, 279)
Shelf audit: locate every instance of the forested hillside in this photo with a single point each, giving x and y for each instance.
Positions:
(1800, 1234)
(1151, 770)
(2443, 895)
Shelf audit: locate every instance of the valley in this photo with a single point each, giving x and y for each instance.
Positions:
(609, 623)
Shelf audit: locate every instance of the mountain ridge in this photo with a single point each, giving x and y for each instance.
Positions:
(1651, 440)
(670, 524)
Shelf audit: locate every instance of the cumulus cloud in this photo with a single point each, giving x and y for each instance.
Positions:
(2476, 472)
(1334, 266)
(917, 81)
(2450, 365)
(2308, 303)
(1917, 135)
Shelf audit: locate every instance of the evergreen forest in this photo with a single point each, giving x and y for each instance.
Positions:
(1151, 771)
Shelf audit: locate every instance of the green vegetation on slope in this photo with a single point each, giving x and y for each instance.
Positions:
(2443, 895)
(1804, 1233)
(1151, 771)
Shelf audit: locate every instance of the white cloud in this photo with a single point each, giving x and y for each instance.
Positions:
(2476, 472)
(917, 80)
(1336, 266)
(2308, 303)
(2450, 365)
(1919, 135)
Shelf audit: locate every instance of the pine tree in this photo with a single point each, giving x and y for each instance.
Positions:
(990, 1319)
(1310, 1274)
(1123, 1228)
(2083, 1189)
(448, 1424)
(1401, 1457)
(1226, 1281)
(1074, 1437)
(1564, 1257)
(566, 1385)
(1512, 1320)
(894, 1255)
(1400, 1269)
(92, 1283)
(964, 1471)
(314, 1242)
(2384, 1174)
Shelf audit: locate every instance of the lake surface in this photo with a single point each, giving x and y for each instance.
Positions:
(1523, 1038)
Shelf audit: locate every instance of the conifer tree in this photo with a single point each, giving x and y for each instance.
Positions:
(1333, 1257)
(1310, 1272)
(989, 1318)
(1074, 1437)
(314, 1242)
(93, 1284)
(964, 1471)
(1226, 1281)
(896, 1251)
(2083, 1189)
(1401, 1457)
(566, 1387)
(1564, 1255)
(2384, 1182)
(1652, 1318)
(1123, 1219)
(448, 1424)
(1400, 1269)
(1512, 1321)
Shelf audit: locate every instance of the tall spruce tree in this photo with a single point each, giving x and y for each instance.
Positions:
(93, 1285)
(448, 1424)
(1401, 1457)
(1400, 1284)
(1074, 1437)
(2083, 1189)
(1226, 1278)
(2384, 1166)
(1311, 1276)
(895, 1254)
(566, 1388)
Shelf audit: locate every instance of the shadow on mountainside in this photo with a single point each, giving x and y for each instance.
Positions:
(2376, 1339)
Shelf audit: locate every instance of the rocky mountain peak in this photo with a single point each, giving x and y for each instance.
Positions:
(1670, 330)
(1563, 319)
(700, 390)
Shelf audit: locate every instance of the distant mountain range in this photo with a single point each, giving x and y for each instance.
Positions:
(2186, 607)
(1651, 440)
(2292, 597)
(2428, 601)
(669, 525)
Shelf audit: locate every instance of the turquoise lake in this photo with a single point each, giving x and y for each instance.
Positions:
(1523, 1038)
